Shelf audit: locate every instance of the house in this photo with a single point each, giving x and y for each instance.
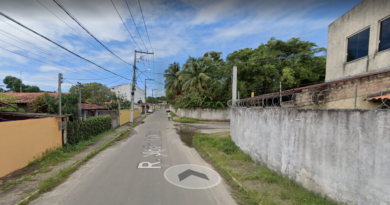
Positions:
(124, 90)
(23, 99)
(357, 67)
(91, 110)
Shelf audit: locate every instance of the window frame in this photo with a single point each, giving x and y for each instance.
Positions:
(379, 34)
(347, 44)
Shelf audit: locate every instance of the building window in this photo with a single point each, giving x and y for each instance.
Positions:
(358, 45)
(384, 39)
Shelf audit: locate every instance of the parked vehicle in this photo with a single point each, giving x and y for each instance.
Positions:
(150, 111)
(168, 110)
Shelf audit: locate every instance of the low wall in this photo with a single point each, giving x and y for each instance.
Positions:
(203, 113)
(22, 140)
(124, 115)
(343, 154)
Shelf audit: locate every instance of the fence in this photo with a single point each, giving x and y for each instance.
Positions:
(349, 95)
(114, 116)
(23, 140)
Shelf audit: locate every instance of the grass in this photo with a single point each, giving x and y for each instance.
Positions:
(252, 183)
(52, 182)
(187, 120)
(173, 114)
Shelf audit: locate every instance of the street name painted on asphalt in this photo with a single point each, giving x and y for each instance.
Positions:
(152, 148)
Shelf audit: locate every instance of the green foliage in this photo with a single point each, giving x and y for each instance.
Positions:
(293, 63)
(48, 104)
(84, 129)
(14, 84)
(9, 100)
(193, 99)
(94, 93)
(186, 120)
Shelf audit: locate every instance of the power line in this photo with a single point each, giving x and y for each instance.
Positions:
(125, 25)
(101, 78)
(73, 29)
(58, 44)
(145, 24)
(135, 24)
(71, 16)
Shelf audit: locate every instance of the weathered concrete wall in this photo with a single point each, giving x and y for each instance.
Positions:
(203, 113)
(366, 14)
(344, 154)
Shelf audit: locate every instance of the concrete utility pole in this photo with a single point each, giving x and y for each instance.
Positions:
(59, 93)
(21, 82)
(234, 88)
(145, 94)
(133, 85)
(280, 94)
(153, 98)
(79, 84)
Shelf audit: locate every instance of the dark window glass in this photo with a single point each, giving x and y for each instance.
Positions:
(358, 45)
(385, 35)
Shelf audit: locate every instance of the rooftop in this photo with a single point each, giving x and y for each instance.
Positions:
(28, 97)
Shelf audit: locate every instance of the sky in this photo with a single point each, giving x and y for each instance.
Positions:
(173, 31)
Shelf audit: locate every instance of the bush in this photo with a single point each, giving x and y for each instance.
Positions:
(79, 130)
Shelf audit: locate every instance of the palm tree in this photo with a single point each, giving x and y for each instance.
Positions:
(172, 82)
(193, 74)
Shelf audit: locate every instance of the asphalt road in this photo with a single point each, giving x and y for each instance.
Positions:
(132, 172)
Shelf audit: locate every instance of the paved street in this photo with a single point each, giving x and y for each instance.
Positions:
(132, 172)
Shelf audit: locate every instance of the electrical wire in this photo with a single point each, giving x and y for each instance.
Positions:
(125, 25)
(135, 24)
(145, 25)
(86, 30)
(74, 30)
(57, 44)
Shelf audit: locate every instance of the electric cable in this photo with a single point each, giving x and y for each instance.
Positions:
(125, 25)
(57, 44)
(145, 24)
(135, 24)
(71, 16)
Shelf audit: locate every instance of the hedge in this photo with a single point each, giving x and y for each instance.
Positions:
(79, 130)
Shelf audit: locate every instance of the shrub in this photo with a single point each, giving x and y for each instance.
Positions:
(79, 130)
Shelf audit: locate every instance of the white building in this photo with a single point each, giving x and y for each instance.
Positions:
(125, 90)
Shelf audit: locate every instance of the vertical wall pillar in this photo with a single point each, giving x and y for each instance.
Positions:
(234, 88)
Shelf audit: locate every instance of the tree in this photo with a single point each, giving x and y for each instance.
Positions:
(48, 104)
(293, 63)
(94, 93)
(14, 84)
(11, 101)
(194, 75)
(172, 82)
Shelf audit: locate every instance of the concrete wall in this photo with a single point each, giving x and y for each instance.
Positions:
(22, 140)
(124, 89)
(344, 154)
(368, 13)
(124, 115)
(203, 113)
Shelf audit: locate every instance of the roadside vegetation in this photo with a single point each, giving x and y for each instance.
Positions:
(205, 82)
(187, 120)
(250, 182)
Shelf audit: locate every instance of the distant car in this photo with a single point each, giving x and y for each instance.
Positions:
(150, 110)
(168, 110)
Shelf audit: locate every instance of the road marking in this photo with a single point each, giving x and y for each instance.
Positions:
(152, 148)
(192, 176)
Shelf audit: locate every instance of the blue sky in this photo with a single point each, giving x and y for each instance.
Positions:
(177, 29)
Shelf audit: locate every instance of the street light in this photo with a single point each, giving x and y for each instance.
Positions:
(132, 96)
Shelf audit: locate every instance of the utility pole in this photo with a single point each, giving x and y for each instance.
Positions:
(59, 93)
(21, 82)
(234, 90)
(79, 84)
(153, 98)
(133, 85)
(145, 94)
